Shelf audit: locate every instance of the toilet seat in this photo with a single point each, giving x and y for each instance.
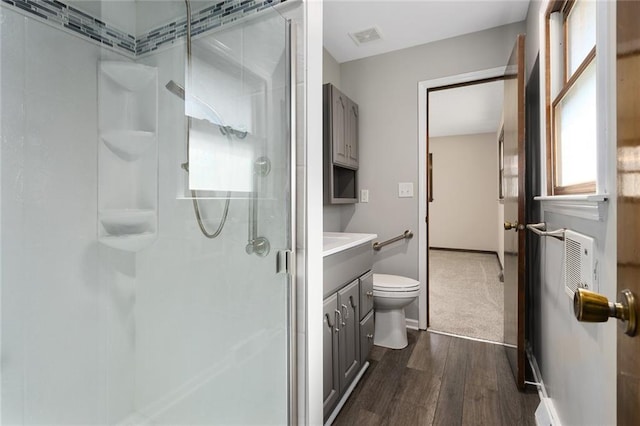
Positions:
(394, 286)
(394, 283)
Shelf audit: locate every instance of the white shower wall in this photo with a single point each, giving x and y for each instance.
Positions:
(65, 346)
(186, 331)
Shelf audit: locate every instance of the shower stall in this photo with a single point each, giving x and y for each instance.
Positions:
(148, 212)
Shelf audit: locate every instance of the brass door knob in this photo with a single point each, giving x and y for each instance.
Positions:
(593, 307)
(509, 225)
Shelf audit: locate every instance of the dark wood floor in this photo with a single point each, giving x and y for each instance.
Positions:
(439, 380)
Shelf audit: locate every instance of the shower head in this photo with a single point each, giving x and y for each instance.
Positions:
(202, 110)
(176, 89)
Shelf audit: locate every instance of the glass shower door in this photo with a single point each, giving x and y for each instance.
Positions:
(116, 308)
(225, 333)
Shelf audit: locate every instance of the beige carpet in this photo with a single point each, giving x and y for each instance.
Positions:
(465, 294)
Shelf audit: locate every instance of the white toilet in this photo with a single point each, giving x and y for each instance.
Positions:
(391, 293)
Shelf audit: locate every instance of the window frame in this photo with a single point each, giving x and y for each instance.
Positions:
(563, 6)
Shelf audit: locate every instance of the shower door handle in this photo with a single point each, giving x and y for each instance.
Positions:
(284, 261)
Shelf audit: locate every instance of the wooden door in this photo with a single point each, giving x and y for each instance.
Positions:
(514, 212)
(628, 220)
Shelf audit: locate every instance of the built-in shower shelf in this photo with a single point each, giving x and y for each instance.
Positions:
(132, 243)
(129, 75)
(128, 144)
(128, 180)
(127, 221)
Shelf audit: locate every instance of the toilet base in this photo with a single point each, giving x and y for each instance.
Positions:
(390, 328)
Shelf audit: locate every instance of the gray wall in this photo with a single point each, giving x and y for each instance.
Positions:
(577, 360)
(385, 88)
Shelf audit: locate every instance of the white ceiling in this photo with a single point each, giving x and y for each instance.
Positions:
(405, 23)
(466, 110)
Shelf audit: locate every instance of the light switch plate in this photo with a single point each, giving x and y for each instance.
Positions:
(405, 190)
(364, 195)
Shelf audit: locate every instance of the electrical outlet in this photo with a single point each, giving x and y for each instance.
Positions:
(364, 195)
(405, 190)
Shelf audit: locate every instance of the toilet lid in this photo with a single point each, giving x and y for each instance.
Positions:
(384, 282)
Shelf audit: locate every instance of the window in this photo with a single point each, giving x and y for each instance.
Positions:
(571, 97)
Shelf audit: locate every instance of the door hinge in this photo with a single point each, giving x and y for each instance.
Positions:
(283, 261)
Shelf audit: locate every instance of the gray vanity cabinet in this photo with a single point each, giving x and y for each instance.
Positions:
(330, 357)
(349, 344)
(347, 337)
(366, 336)
(366, 294)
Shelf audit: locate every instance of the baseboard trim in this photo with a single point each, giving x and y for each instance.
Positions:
(346, 395)
(412, 324)
(470, 251)
(475, 339)
(464, 250)
(546, 414)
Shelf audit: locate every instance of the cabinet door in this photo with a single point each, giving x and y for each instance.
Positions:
(367, 329)
(349, 306)
(339, 105)
(331, 379)
(366, 294)
(351, 140)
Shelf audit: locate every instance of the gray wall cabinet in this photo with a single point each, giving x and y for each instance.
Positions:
(340, 119)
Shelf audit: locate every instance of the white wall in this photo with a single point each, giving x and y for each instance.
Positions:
(465, 192)
(578, 360)
(385, 88)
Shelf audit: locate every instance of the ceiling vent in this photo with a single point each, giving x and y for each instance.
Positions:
(365, 36)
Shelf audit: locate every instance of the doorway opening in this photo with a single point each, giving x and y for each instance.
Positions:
(462, 251)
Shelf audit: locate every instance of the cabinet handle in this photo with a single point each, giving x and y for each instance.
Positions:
(369, 294)
(355, 110)
(353, 305)
(328, 321)
(346, 314)
(370, 336)
(338, 321)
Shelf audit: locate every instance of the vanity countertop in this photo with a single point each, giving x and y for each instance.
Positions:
(335, 242)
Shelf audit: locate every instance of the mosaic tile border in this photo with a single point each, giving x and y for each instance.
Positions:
(218, 14)
(79, 22)
(214, 16)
